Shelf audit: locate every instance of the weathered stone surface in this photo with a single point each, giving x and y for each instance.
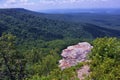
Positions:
(82, 72)
(74, 54)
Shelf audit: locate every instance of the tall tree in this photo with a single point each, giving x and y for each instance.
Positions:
(12, 63)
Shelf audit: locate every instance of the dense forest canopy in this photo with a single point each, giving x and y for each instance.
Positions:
(32, 25)
(31, 44)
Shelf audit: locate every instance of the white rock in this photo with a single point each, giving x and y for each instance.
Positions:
(74, 54)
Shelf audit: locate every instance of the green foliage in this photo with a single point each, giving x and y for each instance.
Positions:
(32, 58)
(33, 61)
(105, 58)
(58, 74)
(35, 51)
(100, 19)
(32, 26)
(11, 61)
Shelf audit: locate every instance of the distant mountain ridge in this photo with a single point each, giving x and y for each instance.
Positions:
(106, 20)
(27, 24)
(69, 11)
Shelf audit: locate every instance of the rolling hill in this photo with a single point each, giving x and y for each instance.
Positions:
(27, 24)
(107, 20)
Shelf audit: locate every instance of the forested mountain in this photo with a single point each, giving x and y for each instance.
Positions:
(27, 24)
(31, 44)
(106, 20)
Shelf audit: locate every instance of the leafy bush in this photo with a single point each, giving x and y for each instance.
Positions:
(105, 59)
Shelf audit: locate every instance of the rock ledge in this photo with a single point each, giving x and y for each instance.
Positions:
(74, 55)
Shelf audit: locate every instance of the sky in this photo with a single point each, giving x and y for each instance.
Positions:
(59, 4)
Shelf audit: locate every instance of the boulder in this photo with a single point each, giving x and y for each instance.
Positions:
(74, 54)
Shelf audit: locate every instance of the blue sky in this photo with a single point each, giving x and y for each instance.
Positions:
(59, 4)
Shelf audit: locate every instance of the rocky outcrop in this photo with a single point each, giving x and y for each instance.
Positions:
(82, 72)
(74, 55)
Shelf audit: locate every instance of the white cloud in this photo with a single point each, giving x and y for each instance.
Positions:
(69, 1)
(17, 3)
(59, 4)
(10, 1)
(45, 2)
(24, 1)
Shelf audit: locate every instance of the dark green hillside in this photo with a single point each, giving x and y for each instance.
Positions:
(102, 19)
(97, 31)
(31, 25)
(30, 47)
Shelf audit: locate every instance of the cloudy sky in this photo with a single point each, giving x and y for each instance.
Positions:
(59, 4)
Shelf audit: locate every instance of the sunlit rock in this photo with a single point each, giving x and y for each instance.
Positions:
(74, 54)
(84, 71)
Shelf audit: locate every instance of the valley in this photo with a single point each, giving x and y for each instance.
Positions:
(39, 46)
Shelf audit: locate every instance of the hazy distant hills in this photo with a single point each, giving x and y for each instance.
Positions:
(27, 24)
(67, 11)
(108, 18)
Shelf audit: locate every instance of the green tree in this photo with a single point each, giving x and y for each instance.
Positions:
(12, 63)
(105, 59)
